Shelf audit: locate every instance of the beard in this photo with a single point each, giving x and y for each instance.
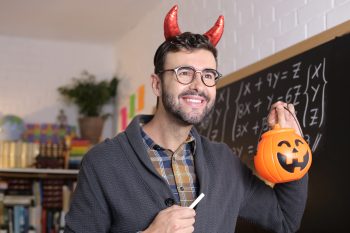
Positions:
(191, 118)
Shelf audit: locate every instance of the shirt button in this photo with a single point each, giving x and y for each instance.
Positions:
(169, 202)
(182, 188)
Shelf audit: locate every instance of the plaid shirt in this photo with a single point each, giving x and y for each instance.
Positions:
(177, 168)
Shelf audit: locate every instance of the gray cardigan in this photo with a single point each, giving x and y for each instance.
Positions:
(119, 190)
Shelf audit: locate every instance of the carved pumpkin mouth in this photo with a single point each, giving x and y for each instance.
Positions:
(290, 166)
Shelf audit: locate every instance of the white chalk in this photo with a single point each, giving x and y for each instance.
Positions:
(197, 200)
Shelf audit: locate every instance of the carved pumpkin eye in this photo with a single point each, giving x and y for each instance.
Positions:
(284, 142)
(297, 142)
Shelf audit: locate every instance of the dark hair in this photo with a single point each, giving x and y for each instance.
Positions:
(186, 40)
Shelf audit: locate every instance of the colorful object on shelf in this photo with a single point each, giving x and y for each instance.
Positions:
(282, 156)
(18, 154)
(51, 156)
(11, 128)
(78, 149)
(48, 133)
(171, 27)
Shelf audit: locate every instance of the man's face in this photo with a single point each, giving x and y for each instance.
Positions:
(192, 102)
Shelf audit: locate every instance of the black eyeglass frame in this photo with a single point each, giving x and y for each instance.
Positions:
(175, 70)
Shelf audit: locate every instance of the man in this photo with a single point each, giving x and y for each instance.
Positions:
(144, 179)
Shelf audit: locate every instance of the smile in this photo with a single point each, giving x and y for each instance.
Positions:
(194, 100)
(289, 167)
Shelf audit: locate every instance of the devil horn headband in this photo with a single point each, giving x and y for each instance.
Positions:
(171, 27)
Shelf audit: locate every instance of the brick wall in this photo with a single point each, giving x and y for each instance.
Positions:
(261, 28)
(254, 29)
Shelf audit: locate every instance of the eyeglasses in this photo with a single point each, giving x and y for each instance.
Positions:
(186, 74)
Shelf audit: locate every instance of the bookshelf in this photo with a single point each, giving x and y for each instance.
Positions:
(35, 199)
(40, 173)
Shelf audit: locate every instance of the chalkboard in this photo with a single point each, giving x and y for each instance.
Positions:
(240, 114)
(315, 81)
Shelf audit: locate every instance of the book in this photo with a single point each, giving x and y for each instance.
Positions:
(12, 200)
(17, 154)
(35, 217)
(2, 209)
(10, 219)
(19, 219)
(5, 154)
(19, 187)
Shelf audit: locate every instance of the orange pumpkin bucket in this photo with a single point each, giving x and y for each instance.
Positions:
(282, 156)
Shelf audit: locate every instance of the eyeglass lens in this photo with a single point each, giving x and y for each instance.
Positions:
(186, 75)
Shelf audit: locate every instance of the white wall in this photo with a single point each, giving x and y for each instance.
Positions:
(254, 29)
(31, 70)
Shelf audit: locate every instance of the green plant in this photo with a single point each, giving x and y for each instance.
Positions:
(90, 95)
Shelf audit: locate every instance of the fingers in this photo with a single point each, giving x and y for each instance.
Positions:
(281, 113)
(291, 113)
(281, 117)
(181, 212)
(173, 219)
(271, 118)
(180, 219)
(291, 108)
(276, 114)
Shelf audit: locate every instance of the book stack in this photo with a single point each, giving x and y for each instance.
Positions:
(19, 187)
(51, 155)
(17, 154)
(78, 148)
(52, 194)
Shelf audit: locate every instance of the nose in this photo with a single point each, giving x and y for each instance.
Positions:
(197, 83)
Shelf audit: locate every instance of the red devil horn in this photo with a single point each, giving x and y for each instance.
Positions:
(214, 34)
(170, 24)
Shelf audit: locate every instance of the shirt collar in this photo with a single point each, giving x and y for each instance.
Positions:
(152, 145)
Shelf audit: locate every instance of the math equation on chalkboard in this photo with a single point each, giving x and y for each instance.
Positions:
(239, 117)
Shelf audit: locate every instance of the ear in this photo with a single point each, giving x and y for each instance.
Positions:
(156, 85)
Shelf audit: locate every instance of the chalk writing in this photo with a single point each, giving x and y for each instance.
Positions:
(240, 115)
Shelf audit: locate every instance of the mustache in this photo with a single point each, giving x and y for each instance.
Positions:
(193, 92)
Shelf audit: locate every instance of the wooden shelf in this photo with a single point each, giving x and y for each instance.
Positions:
(38, 173)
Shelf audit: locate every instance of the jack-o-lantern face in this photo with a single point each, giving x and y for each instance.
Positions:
(282, 156)
(293, 156)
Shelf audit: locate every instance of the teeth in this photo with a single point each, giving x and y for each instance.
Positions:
(194, 101)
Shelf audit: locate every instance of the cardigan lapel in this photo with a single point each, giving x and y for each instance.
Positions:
(200, 164)
(133, 133)
(203, 207)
